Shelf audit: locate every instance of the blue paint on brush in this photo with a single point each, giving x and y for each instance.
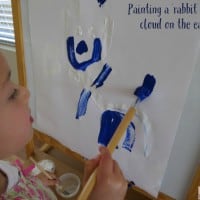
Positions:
(81, 47)
(110, 120)
(130, 137)
(98, 82)
(82, 104)
(101, 2)
(96, 54)
(146, 89)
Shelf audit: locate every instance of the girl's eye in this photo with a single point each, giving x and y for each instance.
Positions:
(14, 94)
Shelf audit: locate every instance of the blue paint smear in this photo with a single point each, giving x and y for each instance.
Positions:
(146, 89)
(129, 140)
(101, 2)
(81, 47)
(109, 123)
(96, 54)
(82, 104)
(98, 82)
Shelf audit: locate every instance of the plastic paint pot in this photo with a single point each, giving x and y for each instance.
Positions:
(69, 185)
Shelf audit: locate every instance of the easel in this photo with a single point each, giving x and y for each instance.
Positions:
(50, 142)
(193, 192)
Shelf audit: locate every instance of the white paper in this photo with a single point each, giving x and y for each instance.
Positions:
(168, 54)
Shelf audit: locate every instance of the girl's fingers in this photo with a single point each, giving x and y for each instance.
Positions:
(103, 149)
(106, 162)
(117, 169)
(90, 166)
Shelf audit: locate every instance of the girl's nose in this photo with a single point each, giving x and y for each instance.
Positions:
(25, 94)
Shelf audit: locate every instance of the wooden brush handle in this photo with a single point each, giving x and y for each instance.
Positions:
(121, 129)
(41, 168)
(111, 147)
(87, 189)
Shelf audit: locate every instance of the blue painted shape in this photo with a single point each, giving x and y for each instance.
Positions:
(82, 104)
(81, 47)
(109, 123)
(146, 89)
(96, 54)
(98, 82)
(129, 140)
(101, 2)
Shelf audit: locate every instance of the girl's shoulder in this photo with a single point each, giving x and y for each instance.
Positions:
(10, 172)
(3, 182)
(26, 186)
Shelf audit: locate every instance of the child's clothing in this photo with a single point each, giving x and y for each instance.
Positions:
(23, 186)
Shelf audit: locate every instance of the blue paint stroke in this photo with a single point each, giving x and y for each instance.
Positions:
(146, 89)
(98, 82)
(81, 47)
(129, 140)
(101, 2)
(109, 123)
(96, 54)
(82, 104)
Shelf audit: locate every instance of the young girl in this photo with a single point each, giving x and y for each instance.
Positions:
(16, 131)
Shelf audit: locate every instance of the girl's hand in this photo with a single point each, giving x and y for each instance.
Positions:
(46, 181)
(110, 182)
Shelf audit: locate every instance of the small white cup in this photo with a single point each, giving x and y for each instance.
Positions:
(69, 185)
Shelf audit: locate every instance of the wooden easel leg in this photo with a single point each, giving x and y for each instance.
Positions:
(45, 147)
(30, 149)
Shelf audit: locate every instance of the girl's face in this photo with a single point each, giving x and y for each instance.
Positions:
(15, 117)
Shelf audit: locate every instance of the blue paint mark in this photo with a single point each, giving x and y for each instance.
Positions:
(101, 2)
(109, 123)
(146, 89)
(82, 104)
(81, 47)
(98, 82)
(96, 54)
(130, 137)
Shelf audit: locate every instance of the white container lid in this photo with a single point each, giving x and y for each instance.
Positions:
(47, 165)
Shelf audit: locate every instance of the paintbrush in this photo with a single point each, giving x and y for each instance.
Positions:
(142, 93)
